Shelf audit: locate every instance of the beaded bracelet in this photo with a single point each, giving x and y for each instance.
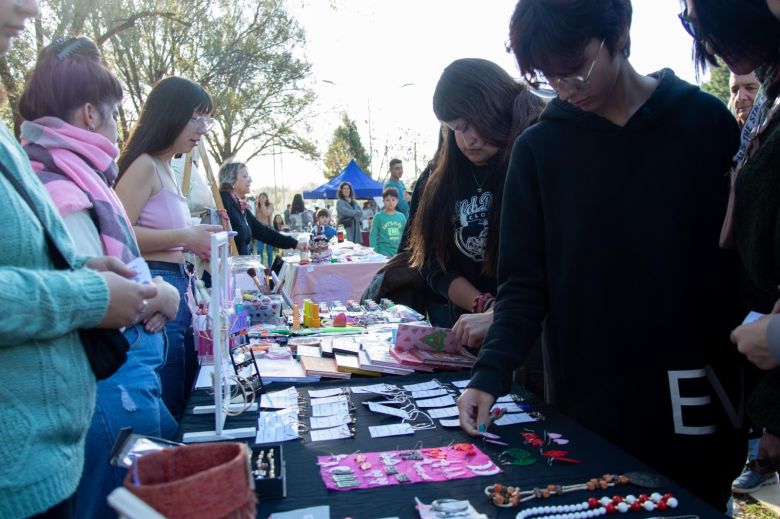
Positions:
(508, 496)
(481, 303)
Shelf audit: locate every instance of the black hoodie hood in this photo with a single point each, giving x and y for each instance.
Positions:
(670, 93)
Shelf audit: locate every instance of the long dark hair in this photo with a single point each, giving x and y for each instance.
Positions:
(499, 109)
(166, 112)
(745, 29)
(297, 204)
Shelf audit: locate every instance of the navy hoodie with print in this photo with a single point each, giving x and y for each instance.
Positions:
(613, 244)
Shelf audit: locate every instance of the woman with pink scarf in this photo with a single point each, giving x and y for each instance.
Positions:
(70, 109)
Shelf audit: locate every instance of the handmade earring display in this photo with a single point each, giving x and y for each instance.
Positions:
(374, 469)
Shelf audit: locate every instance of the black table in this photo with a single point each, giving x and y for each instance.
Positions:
(305, 487)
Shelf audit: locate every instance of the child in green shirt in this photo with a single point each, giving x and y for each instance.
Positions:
(388, 225)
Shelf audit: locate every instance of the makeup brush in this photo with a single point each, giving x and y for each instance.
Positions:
(252, 273)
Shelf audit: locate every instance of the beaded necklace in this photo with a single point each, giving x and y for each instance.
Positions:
(606, 505)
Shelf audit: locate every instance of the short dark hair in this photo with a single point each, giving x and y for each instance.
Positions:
(166, 112)
(390, 191)
(554, 33)
(323, 212)
(67, 75)
(745, 29)
(393, 162)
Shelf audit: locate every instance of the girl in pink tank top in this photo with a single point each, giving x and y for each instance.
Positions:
(173, 120)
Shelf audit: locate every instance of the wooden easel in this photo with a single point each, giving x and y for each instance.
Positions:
(204, 159)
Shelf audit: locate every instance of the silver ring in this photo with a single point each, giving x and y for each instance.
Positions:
(144, 307)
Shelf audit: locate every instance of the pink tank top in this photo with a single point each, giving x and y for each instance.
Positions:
(165, 210)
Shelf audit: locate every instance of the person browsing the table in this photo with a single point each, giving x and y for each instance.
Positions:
(454, 235)
(173, 120)
(234, 184)
(69, 135)
(617, 196)
(48, 387)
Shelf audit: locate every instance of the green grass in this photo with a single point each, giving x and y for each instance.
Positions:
(745, 507)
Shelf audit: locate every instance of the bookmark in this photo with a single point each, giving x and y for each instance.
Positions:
(440, 401)
(428, 393)
(380, 431)
(444, 412)
(334, 433)
(433, 384)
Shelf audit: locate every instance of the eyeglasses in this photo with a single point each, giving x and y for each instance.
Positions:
(548, 87)
(203, 121)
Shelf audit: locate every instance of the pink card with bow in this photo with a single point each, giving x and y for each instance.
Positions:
(416, 337)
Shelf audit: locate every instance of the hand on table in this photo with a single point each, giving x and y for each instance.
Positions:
(471, 329)
(474, 410)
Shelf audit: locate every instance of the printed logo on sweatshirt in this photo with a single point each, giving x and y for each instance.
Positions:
(471, 225)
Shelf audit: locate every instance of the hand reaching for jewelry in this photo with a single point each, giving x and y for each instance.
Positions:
(474, 410)
(471, 329)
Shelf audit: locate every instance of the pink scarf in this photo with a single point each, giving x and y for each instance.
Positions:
(78, 169)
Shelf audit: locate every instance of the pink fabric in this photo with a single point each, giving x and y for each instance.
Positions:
(165, 210)
(457, 466)
(327, 281)
(83, 171)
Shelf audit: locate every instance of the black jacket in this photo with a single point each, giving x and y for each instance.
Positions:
(248, 228)
(609, 235)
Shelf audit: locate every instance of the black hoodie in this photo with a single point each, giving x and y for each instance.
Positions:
(613, 243)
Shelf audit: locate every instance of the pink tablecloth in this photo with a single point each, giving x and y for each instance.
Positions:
(327, 282)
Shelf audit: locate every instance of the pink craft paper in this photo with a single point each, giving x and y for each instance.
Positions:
(431, 338)
(405, 466)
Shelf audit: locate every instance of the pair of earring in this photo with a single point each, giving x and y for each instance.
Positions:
(488, 469)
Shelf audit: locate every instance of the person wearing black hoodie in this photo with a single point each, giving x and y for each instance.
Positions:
(617, 196)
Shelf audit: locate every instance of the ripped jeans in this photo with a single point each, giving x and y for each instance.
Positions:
(131, 397)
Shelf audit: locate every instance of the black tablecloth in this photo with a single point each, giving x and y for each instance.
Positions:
(305, 487)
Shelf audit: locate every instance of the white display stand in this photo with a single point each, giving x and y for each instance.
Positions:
(220, 311)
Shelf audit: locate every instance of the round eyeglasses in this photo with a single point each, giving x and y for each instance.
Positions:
(548, 88)
(203, 122)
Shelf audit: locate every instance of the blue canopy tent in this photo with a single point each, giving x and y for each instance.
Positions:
(363, 185)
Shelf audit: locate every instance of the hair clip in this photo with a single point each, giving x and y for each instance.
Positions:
(69, 48)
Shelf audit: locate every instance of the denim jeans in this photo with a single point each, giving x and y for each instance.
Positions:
(269, 253)
(131, 397)
(178, 373)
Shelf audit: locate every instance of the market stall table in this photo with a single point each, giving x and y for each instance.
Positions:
(327, 282)
(305, 487)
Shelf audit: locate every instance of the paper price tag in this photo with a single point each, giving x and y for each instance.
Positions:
(339, 408)
(450, 423)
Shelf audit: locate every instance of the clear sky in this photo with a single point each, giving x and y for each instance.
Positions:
(381, 59)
